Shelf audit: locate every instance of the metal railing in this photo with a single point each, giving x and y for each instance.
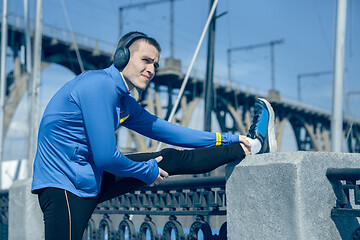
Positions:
(64, 35)
(4, 214)
(342, 181)
(195, 198)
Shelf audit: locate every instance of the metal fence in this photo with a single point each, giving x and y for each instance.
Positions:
(64, 35)
(4, 214)
(343, 180)
(155, 212)
(197, 199)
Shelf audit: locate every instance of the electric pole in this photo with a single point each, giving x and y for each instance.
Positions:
(35, 77)
(272, 58)
(337, 117)
(3, 82)
(209, 88)
(144, 4)
(300, 76)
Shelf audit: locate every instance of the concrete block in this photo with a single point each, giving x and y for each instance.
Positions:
(25, 216)
(286, 196)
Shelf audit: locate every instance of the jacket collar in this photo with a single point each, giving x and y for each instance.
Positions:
(118, 78)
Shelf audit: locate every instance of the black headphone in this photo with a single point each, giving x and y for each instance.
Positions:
(122, 54)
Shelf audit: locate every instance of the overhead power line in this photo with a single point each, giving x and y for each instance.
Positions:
(183, 85)
(271, 44)
(144, 4)
(73, 37)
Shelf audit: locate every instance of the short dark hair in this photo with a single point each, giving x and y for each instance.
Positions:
(146, 38)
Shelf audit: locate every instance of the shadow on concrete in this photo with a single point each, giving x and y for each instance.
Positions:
(347, 226)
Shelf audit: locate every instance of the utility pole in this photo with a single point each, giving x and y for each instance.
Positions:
(300, 76)
(28, 65)
(172, 28)
(144, 4)
(209, 88)
(27, 40)
(272, 64)
(33, 94)
(272, 58)
(187, 75)
(3, 82)
(348, 94)
(209, 78)
(337, 114)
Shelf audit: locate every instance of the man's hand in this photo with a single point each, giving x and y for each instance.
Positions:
(162, 174)
(245, 145)
(244, 141)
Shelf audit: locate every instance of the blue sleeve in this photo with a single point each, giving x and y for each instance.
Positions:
(156, 128)
(96, 98)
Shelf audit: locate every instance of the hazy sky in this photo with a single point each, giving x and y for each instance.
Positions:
(306, 28)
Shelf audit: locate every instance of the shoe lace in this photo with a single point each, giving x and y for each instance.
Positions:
(252, 128)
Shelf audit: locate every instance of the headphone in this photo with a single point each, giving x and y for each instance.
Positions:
(122, 54)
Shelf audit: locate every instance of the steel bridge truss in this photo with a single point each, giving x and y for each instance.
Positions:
(233, 107)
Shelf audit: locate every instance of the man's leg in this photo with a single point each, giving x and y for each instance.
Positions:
(175, 162)
(261, 134)
(65, 214)
(194, 161)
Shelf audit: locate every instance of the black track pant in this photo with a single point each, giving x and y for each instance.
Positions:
(66, 215)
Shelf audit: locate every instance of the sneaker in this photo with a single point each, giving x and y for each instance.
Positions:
(263, 126)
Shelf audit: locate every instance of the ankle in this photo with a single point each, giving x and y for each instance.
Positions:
(255, 145)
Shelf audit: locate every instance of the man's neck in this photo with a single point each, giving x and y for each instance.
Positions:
(126, 83)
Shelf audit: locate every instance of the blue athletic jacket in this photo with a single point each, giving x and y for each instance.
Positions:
(76, 140)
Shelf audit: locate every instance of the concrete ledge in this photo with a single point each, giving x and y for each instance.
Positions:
(286, 196)
(25, 216)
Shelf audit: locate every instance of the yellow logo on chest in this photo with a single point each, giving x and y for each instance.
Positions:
(123, 119)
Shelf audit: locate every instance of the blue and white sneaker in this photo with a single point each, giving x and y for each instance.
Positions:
(263, 126)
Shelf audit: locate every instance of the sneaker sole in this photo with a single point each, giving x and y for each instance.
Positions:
(271, 126)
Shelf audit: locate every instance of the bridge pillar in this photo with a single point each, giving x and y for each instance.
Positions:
(286, 196)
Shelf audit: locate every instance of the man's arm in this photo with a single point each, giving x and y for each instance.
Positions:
(156, 128)
(96, 97)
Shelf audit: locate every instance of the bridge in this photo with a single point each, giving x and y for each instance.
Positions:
(233, 106)
(200, 198)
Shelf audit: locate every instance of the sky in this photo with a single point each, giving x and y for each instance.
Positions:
(306, 28)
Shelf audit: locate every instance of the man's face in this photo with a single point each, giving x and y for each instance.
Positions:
(140, 70)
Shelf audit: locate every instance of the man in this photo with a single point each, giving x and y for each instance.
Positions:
(77, 164)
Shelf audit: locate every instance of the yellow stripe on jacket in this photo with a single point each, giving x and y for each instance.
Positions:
(218, 139)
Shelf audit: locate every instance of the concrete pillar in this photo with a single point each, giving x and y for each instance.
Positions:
(286, 196)
(25, 216)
